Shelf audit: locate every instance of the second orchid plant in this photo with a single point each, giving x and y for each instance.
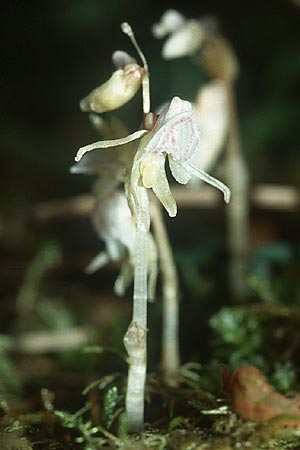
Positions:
(171, 136)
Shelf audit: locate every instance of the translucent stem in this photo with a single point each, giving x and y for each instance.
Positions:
(170, 332)
(146, 93)
(135, 339)
(140, 279)
(126, 28)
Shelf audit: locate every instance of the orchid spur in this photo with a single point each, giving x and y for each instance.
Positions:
(175, 136)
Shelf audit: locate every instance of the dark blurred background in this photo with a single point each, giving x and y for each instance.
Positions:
(54, 52)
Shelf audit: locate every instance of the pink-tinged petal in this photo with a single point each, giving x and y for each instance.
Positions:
(176, 131)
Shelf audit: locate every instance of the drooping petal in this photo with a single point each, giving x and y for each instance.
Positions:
(124, 278)
(180, 174)
(208, 179)
(99, 261)
(162, 190)
(109, 143)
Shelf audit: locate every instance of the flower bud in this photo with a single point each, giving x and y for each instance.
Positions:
(115, 92)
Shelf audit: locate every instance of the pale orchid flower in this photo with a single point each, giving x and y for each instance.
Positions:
(212, 112)
(184, 36)
(175, 137)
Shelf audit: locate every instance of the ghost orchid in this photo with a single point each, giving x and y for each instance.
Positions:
(173, 135)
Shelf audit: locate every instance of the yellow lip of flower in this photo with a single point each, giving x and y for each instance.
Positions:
(149, 170)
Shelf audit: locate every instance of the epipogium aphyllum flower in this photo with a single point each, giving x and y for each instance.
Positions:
(173, 135)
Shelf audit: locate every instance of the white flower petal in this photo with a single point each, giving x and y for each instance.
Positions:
(162, 190)
(208, 179)
(180, 174)
(99, 261)
(109, 143)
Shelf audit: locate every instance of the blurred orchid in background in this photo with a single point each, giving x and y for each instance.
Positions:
(114, 224)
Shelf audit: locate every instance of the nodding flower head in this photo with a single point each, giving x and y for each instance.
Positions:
(119, 88)
(175, 136)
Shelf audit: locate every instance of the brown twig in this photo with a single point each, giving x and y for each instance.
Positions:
(261, 196)
(39, 342)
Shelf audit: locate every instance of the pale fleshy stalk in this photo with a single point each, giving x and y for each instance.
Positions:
(135, 339)
(126, 28)
(135, 342)
(170, 318)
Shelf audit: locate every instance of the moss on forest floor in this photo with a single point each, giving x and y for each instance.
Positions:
(190, 419)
